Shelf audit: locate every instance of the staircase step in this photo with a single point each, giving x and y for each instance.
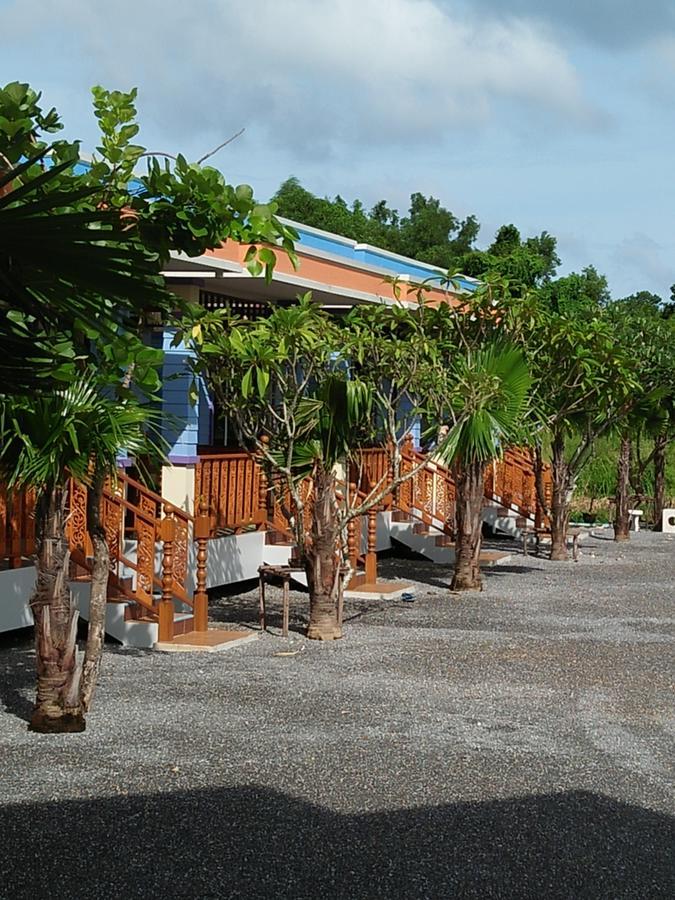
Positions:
(444, 540)
(399, 516)
(489, 558)
(420, 528)
(183, 624)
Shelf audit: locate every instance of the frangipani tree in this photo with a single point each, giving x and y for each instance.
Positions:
(650, 414)
(304, 392)
(475, 385)
(584, 383)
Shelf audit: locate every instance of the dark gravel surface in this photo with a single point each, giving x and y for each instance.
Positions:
(513, 743)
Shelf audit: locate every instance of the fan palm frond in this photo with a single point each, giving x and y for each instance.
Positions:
(489, 401)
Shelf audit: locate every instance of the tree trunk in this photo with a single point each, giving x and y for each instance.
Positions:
(660, 446)
(560, 499)
(469, 494)
(57, 705)
(621, 516)
(99, 593)
(322, 561)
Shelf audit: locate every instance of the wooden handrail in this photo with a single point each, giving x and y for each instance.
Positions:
(150, 494)
(430, 494)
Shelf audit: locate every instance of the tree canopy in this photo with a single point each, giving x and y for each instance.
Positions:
(429, 232)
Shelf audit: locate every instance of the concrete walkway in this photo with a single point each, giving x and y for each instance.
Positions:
(514, 743)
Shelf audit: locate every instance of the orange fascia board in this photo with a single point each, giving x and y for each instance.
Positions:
(336, 274)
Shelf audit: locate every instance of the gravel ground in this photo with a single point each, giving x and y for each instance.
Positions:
(512, 743)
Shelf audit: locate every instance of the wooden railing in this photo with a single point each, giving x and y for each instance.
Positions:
(17, 526)
(430, 494)
(149, 541)
(234, 488)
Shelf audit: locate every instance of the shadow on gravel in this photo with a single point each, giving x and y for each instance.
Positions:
(245, 614)
(252, 842)
(507, 569)
(17, 674)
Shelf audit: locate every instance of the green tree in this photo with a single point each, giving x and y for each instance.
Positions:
(305, 393)
(71, 304)
(587, 290)
(584, 384)
(429, 232)
(480, 393)
(524, 264)
(639, 323)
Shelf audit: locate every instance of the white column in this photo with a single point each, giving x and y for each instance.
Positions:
(178, 486)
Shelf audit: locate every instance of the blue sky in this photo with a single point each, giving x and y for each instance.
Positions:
(556, 115)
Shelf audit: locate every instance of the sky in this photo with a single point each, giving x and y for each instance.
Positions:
(556, 115)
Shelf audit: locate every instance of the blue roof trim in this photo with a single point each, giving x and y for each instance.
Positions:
(348, 249)
(352, 251)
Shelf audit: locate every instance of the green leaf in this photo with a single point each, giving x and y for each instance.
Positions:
(246, 384)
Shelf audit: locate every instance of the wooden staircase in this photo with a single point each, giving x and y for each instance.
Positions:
(427, 500)
(152, 545)
(158, 552)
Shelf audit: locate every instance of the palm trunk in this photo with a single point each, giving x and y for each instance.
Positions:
(57, 705)
(560, 499)
(99, 593)
(621, 516)
(469, 494)
(322, 561)
(660, 447)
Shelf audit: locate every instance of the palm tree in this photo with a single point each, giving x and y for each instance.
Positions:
(487, 394)
(329, 420)
(65, 266)
(75, 433)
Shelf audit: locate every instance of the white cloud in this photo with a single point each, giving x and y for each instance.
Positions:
(317, 76)
(641, 256)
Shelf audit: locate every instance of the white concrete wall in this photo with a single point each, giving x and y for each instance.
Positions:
(383, 534)
(230, 559)
(16, 586)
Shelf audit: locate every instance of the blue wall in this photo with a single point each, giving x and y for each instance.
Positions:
(183, 432)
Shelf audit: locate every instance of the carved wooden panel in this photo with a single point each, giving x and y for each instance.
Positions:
(180, 551)
(112, 518)
(77, 516)
(145, 534)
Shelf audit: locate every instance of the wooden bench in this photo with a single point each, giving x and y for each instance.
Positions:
(285, 573)
(267, 574)
(539, 533)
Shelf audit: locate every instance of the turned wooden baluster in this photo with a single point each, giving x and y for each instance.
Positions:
(352, 553)
(200, 602)
(167, 535)
(406, 491)
(371, 555)
(263, 488)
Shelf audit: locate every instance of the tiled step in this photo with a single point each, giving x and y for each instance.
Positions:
(490, 558)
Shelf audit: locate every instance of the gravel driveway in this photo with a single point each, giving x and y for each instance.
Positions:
(513, 743)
